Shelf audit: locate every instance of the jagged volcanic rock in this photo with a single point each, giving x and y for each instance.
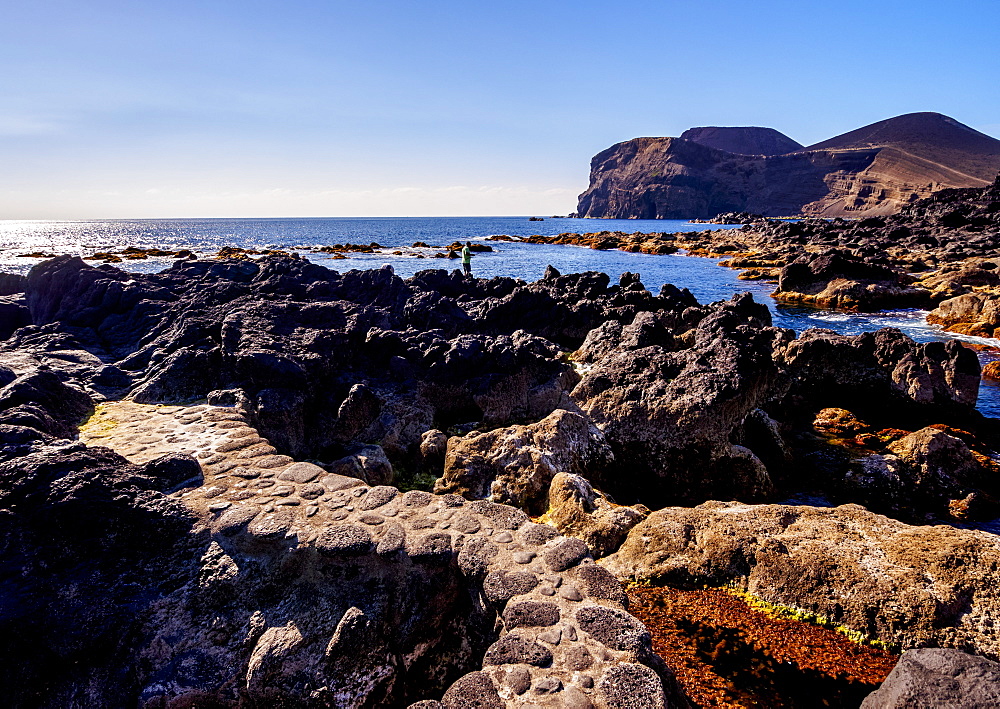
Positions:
(274, 580)
(277, 584)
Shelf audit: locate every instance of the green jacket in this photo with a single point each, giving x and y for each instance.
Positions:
(466, 254)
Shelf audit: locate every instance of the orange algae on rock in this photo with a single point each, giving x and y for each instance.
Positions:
(727, 654)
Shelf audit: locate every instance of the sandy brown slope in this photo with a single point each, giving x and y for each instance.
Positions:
(917, 154)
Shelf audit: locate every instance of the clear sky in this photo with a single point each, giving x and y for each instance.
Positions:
(209, 108)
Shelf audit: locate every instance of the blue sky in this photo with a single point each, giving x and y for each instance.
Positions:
(301, 108)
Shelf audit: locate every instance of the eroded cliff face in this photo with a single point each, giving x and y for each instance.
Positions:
(675, 178)
(873, 170)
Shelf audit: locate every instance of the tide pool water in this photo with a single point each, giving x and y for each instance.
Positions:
(703, 277)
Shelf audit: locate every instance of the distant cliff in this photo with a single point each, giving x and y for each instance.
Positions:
(872, 170)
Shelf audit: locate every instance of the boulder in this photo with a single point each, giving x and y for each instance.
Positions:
(433, 448)
(516, 465)
(670, 415)
(910, 586)
(577, 510)
(936, 677)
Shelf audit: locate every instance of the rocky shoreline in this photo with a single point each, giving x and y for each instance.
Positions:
(939, 253)
(209, 482)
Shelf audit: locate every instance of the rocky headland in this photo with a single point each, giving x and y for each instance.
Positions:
(259, 482)
(874, 170)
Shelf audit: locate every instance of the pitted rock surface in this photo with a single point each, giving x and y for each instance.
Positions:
(913, 586)
(563, 638)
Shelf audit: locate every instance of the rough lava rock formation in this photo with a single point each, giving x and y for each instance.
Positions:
(271, 582)
(200, 480)
(938, 677)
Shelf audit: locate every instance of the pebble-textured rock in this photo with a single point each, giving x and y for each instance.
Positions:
(527, 614)
(515, 650)
(558, 641)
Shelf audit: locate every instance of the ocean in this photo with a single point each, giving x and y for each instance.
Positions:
(702, 276)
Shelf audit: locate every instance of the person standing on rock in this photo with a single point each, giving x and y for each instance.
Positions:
(467, 259)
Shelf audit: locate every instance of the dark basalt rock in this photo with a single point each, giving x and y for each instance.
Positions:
(669, 413)
(85, 519)
(630, 685)
(369, 364)
(12, 283)
(173, 471)
(500, 586)
(842, 281)
(349, 539)
(514, 650)
(473, 690)
(565, 554)
(612, 627)
(52, 406)
(884, 377)
(677, 402)
(526, 614)
(938, 677)
(14, 314)
(247, 603)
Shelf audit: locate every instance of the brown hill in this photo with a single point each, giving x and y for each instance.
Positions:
(744, 140)
(873, 170)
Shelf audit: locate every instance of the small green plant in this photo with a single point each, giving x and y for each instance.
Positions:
(411, 479)
(775, 610)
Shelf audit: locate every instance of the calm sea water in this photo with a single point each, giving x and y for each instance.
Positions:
(702, 276)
